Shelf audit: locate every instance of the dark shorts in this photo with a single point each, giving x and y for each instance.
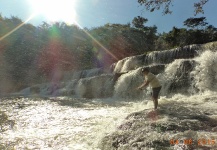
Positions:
(155, 92)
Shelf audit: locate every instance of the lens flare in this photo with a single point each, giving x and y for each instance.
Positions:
(55, 10)
(98, 43)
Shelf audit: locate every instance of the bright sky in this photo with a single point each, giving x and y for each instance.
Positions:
(93, 13)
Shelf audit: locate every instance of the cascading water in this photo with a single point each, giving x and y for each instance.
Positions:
(205, 73)
(78, 122)
(182, 122)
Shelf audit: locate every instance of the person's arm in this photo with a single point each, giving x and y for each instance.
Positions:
(143, 85)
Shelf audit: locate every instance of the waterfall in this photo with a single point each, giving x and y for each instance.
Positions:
(156, 57)
(162, 57)
(72, 75)
(185, 70)
(95, 87)
(176, 78)
(126, 85)
(205, 73)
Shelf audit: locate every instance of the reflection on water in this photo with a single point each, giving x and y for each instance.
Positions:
(60, 123)
(77, 124)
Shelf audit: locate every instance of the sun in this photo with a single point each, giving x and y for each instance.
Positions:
(55, 10)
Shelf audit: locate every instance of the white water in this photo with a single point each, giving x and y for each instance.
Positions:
(205, 73)
(47, 125)
(198, 104)
(80, 124)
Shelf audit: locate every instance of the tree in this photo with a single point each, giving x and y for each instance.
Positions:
(138, 22)
(153, 5)
(199, 6)
(195, 22)
(211, 33)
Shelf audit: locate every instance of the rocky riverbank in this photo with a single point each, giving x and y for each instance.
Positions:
(180, 123)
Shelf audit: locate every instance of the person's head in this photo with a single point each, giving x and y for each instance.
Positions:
(145, 70)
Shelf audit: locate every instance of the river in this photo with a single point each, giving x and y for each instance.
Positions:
(58, 123)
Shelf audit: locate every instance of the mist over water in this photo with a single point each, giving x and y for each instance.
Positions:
(78, 123)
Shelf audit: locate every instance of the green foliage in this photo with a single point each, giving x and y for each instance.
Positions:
(122, 40)
(199, 6)
(195, 22)
(32, 54)
(138, 22)
(153, 5)
(199, 32)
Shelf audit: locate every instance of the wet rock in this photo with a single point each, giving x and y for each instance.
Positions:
(95, 87)
(214, 129)
(117, 75)
(5, 123)
(161, 129)
(156, 69)
(182, 81)
(125, 126)
(35, 90)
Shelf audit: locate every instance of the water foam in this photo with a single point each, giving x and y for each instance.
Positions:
(205, 73)
(47, 125)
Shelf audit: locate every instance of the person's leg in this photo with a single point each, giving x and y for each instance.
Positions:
(155, 94)
(155, 100)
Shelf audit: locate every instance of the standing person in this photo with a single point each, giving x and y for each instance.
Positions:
(150, 79)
